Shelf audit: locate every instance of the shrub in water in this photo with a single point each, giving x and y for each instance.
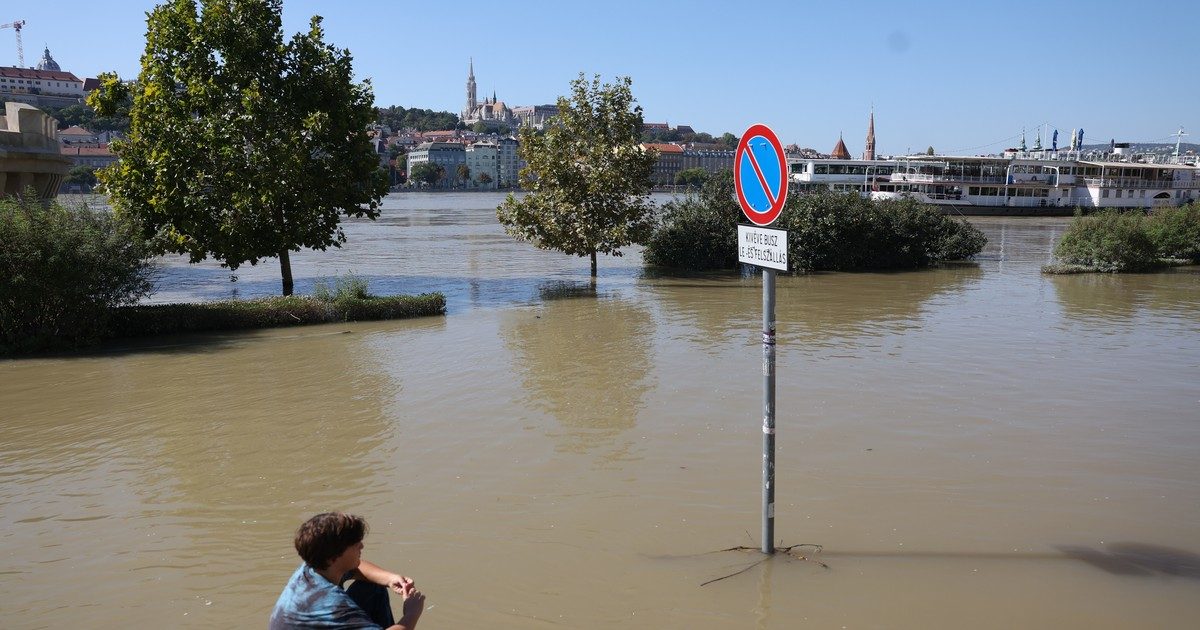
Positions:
(1109, 241)
(62, 270)
(827, 231)
(1176, 232)
(699, 231)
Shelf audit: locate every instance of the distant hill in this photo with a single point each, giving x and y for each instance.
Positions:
(398, 118)
(1158, 148)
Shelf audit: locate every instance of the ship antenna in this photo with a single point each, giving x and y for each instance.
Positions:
(1178, 137)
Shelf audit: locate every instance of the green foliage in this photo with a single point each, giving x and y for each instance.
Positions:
(464, 173)
(399, 118)
(295, 310)
(1109, 241)
(82, 175)
(84, 116)
(61, 270)
(347, 287)
(826, 232)
(699, 231)
(242, 146)
(484, 178)
(428, 172)
(588, 177)
(1176, 232)
(674, 135)
(1113, 241)
(847, 232)
(479, 127)
(930, 151)
(691, 177)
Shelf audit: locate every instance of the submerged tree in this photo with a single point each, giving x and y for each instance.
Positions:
(241, 146)
(588, 177)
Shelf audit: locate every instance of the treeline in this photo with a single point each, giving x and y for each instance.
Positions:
(726, 140)
(827, 231)
(397, 118)
(86, 117)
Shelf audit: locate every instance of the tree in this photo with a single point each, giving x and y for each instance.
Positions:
(83, 175)
(484, 179)
(691, 177)
(729, 140)
(241, 146)
(464, 173)
(479, 127)
(428, 172)
(588, 178)
(930, 150)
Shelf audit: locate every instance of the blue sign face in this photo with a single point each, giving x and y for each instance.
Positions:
(760, 174)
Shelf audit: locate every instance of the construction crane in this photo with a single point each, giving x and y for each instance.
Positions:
(16, 26)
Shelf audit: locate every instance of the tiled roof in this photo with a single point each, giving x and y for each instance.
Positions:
(101, 150)
(75, 131)
(29, 73)
(840, 152)
(663, 147)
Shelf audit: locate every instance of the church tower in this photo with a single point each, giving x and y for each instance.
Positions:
(869, 153)
(471, 104)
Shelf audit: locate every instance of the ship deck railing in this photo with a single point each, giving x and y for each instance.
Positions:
(1133, 182)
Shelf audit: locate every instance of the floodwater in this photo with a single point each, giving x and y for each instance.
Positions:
(979, 446)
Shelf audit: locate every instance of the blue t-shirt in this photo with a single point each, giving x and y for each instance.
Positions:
(311, 601)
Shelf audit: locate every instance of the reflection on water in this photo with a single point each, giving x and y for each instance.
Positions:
(585, 360)
(957, 439)
(1106, 299)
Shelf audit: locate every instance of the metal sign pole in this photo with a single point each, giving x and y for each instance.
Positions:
(768, 491)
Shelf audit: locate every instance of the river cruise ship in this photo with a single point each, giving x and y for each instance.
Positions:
(1016, 183)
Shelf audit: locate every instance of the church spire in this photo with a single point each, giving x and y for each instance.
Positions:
(869, 152)
(471, 102)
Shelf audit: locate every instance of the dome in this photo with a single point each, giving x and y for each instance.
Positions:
(47, 62)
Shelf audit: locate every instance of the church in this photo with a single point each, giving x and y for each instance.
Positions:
(490, 112)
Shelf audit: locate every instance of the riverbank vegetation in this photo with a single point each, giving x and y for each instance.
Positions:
(826, 232)
(270, 312)
(63, 271)
(71, 277)
(1114, 242)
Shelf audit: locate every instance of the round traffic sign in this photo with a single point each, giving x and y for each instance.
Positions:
(760, 175)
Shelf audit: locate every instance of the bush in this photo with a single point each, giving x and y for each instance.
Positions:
(699, 231)
(62, 270)
(847, 232)
(292, 310)
(1109, 241)
(347, 287)
(1176, 232)
(826, 232)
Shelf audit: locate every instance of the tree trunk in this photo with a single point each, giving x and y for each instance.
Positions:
(285, 268)
(593, 263)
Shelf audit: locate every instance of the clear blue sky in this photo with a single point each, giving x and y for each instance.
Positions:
(961, 76)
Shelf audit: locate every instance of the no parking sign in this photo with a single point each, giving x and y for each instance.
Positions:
(760, 175)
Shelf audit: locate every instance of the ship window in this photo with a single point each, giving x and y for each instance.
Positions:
(1105, 193)
(1119, 193)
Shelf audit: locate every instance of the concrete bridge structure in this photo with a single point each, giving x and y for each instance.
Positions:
(30, 155)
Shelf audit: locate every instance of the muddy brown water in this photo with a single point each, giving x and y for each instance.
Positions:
(978, 446)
